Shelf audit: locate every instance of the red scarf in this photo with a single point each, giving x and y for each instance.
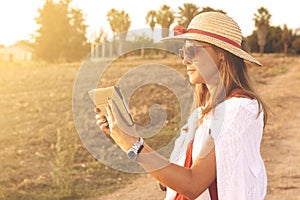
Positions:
(213, 190)
(188, 163)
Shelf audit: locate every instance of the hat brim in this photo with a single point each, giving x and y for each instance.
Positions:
(219, 43)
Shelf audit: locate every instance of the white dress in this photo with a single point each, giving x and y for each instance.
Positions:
(236, 129)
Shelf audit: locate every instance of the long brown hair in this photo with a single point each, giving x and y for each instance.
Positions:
(234, 75)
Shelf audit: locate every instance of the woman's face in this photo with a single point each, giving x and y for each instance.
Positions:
(200, 60)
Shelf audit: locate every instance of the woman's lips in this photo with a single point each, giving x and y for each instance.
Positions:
(190, 70)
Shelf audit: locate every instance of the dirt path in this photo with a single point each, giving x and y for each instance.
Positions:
(280, 146)
(144, 188)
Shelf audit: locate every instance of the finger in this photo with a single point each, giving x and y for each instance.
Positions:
(97, 110)
(101, 121)
(117, 115)
(109, 110)
(100, 117)
(97, 116)
(105, 128)
(103, 125)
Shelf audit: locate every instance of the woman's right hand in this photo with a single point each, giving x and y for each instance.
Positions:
(114, 126)
(101, 121)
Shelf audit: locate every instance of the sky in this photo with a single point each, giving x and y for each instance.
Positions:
(17, 17)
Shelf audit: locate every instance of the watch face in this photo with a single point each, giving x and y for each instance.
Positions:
(131, 155)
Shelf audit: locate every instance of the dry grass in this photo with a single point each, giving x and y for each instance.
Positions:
(36, 117)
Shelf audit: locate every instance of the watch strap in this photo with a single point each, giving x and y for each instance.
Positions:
(136, 148)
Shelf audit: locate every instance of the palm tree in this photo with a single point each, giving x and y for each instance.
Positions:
(262, 23)
(120, 23)
(111, 19)
(286, 37)
(101, 38)
(209, 9)
(165, 17)
(187, 13)
(151, 20)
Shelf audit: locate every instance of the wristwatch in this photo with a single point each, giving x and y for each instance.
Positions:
(135, 149)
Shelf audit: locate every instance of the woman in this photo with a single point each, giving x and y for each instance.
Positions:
(218, 152)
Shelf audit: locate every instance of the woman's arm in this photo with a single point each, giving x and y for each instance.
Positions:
(190, 182)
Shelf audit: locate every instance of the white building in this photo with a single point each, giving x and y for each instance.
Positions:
(16, 52)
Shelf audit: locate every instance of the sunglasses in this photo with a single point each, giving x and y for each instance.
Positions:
(191, 52)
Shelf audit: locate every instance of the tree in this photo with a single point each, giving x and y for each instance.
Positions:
(101, 37)
(286, 37)
(95, 40)
(209, 9)
(120, 23)
(51, 37)
(296, 41)
(262, 22)
(165, 18)
(151, 20)
(274, 42)
(61, 35)
(251, 41)
(296, 45)
(187, 13)
(77, 44)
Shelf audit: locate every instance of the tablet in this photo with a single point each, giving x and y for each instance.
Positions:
(99, 97)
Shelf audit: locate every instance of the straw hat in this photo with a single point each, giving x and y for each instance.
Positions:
(215, 28)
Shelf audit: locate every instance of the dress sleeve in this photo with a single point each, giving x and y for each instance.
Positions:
(237, 130)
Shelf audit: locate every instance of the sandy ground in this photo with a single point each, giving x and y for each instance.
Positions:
(280, 145)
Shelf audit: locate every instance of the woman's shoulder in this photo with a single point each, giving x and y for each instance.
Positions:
(236, 109)
(238, 104)
(236, 114)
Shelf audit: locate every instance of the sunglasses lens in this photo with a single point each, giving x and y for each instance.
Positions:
(181, 53)
(191, 52)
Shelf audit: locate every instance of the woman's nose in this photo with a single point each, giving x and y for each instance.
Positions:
(185, 61)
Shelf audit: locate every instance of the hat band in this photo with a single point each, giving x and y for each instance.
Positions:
(180, 30)
(219, 37)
